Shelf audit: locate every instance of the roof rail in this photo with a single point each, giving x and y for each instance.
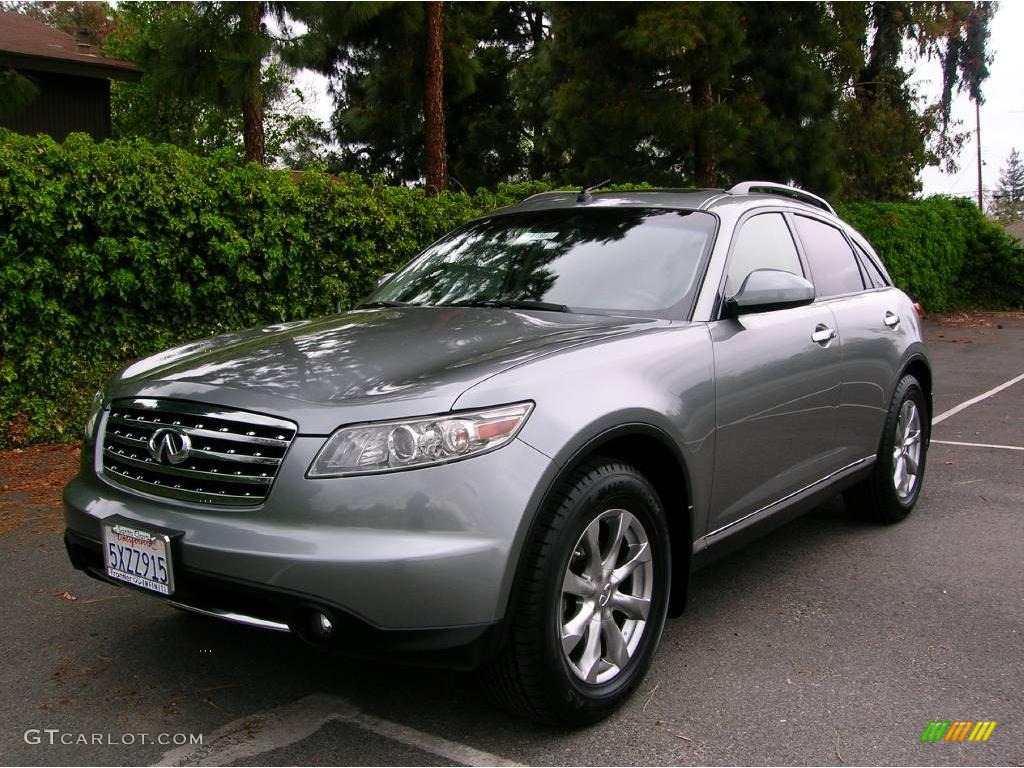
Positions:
(772, 188)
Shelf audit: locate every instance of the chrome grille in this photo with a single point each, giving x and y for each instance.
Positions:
(233, 459)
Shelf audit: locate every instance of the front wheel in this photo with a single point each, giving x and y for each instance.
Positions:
(890, 492)
(593, 598)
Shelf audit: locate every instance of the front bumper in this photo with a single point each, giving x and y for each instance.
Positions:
(427, 549)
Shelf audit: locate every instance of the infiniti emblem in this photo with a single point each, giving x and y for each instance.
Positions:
(169, 446)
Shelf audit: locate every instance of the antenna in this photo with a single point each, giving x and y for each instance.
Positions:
(585, 197)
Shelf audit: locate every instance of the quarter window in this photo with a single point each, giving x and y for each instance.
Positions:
(833, 265)
(764, 242)
(873, 276)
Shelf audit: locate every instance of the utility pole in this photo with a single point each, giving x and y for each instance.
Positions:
(977, 132)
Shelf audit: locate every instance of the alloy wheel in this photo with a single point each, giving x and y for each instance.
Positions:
(606, 596)
(906, 452)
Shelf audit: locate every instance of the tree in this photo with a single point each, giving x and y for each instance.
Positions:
(1008, 199)
(198, 89)
(375, 55)
(216, 51)
(16, 91)
(433, 100)
(252, 45)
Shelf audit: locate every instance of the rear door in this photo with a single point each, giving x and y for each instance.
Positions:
(872, 331)
(776, 389)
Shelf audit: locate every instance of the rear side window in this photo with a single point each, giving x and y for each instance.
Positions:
(833, 265)
(872, 275)
(764, 242)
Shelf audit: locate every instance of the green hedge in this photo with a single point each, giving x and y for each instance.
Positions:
(109, 252)
(943, 252)
(112, 251)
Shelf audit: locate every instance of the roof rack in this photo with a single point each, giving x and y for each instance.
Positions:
(772, 188)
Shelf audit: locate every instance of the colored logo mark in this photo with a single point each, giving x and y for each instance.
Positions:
(958, 730)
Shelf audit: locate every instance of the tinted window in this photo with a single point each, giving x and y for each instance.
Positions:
(633, 260)
(873, 276)
(764, 242)
(833, 265)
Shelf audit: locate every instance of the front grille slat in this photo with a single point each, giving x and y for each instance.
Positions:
(197, 474)
(233, 460)
(220, 434)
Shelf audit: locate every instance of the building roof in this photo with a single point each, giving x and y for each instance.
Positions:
(29, 44)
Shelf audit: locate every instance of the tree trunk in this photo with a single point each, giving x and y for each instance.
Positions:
(433, 102)
(702, 99)
(252, 95)
(536, 163)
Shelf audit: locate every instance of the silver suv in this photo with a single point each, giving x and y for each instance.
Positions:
(515, 452)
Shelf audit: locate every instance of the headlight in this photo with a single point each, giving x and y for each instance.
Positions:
(94, 415)
(387, 446)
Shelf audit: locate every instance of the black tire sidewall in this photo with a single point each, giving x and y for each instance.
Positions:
(576, 699)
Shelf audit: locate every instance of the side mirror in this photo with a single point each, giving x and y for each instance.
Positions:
(768, 289)
(384, 278)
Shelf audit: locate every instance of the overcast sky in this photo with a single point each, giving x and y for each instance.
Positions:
(1002, 114)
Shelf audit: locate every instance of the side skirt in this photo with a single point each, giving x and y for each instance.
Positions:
(738, 533)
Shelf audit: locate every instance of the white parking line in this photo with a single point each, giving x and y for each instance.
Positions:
(266, 731)
(968, 403)
(980, 445)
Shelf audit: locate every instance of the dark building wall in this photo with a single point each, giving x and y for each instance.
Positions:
(65, 104)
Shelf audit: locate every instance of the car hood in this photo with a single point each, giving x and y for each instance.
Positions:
(379, 363)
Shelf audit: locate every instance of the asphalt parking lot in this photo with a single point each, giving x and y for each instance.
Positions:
(829, 642)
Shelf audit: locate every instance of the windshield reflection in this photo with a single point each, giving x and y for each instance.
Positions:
(629, 260)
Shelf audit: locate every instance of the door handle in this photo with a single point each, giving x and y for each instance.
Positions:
(823, 335)
(891, 319)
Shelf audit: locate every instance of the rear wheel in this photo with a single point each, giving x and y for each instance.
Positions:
(891, 491)
(592, 601)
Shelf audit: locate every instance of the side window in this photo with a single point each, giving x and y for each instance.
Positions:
(873, 275)
(764, 242)
(833, 265)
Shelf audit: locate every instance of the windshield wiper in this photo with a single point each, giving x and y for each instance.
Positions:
(384, 304)
(544, 306)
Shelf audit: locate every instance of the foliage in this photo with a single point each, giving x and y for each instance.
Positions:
(943, 252)
(112, 251)
(1008, 199)
(204, 56)
(198, 65)
(16, 91)
(678, 93)
(375, 54)
(673, 93)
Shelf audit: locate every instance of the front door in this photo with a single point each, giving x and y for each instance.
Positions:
(777, 386)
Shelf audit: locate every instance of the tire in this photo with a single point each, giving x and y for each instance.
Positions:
(890, 492)
(587, 558)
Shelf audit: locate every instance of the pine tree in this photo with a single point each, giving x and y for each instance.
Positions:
(208, 54)
(1008, 203)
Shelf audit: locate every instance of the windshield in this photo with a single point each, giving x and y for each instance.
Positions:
(604, 260)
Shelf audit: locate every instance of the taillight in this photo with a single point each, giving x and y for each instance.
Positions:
(917, 308)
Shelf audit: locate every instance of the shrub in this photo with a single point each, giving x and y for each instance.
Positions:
(943, 252)
(112, 251)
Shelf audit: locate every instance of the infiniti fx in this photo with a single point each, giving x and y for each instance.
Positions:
(512, 455)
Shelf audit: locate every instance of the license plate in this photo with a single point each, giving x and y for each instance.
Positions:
(138, 557)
